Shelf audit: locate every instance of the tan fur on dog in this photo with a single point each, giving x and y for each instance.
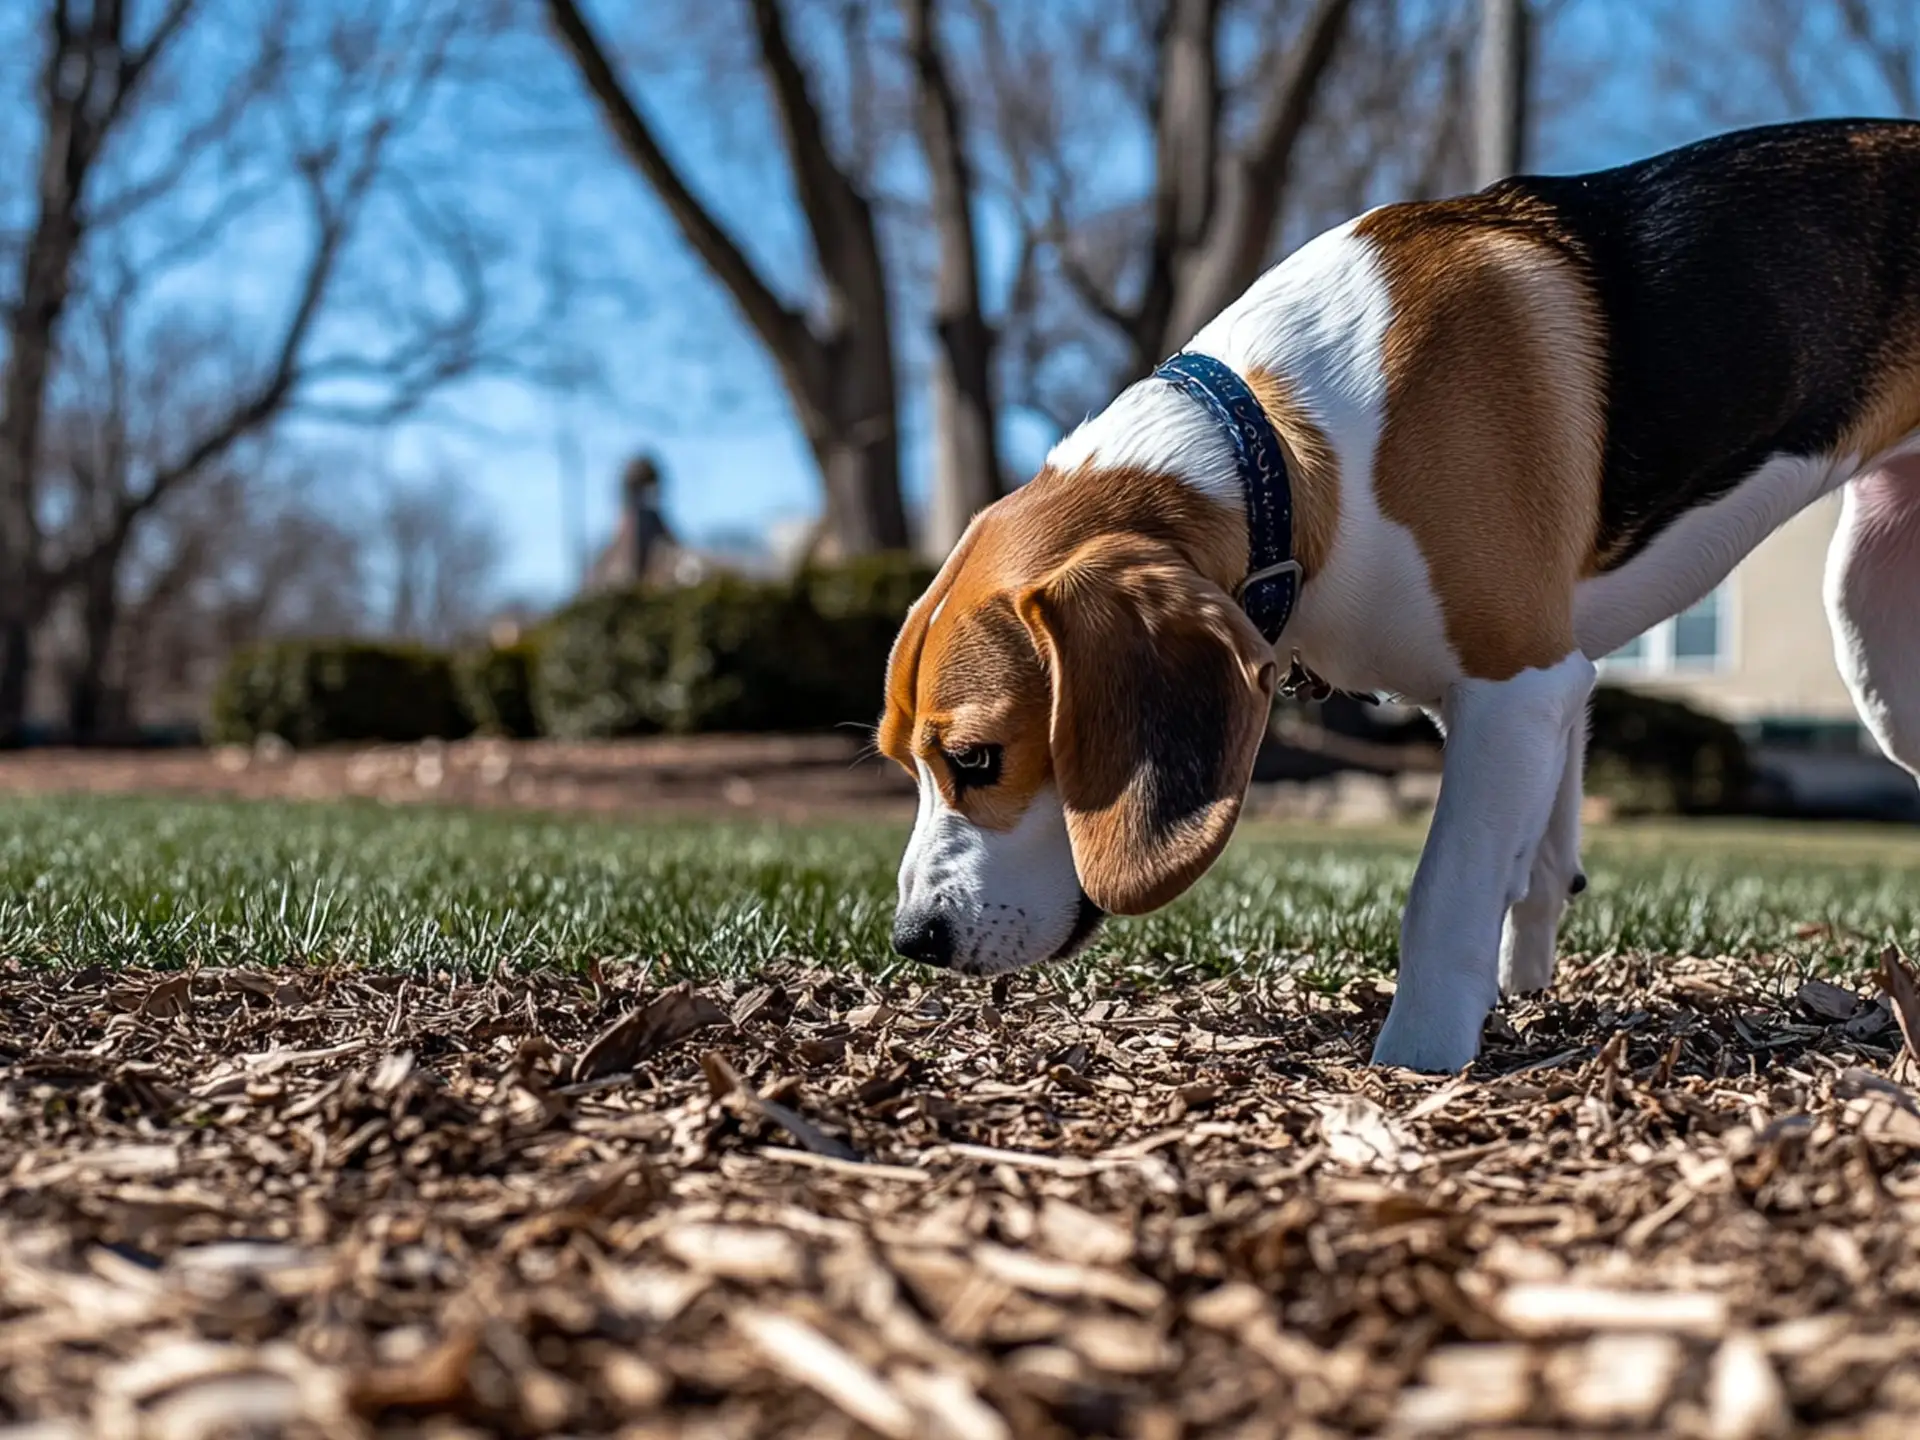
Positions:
(1890, 414)
(1313, 471)
(1492, 447)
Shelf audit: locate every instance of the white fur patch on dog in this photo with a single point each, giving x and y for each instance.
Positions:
(1009, 897)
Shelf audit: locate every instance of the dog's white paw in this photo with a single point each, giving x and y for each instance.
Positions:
(1433, 1039)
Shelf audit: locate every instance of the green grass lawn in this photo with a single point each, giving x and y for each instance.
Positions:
(167, 882)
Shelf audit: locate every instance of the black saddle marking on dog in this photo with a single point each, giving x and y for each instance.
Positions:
(1755, 287)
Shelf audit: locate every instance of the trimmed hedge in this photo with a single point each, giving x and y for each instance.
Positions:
(726, 654)
(1653, 756)
(319, 692)
(807, 654)
(496, 688)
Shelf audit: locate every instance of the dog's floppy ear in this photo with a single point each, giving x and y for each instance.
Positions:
(1161, 691)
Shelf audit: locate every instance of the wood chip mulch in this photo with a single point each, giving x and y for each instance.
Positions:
(1683, 1198)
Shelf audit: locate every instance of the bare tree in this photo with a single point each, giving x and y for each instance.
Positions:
(248, 554)
(436, 556)
(1262, 120)
(151, 389)
(966, 464)
(91, 75)
(1215, 203)
(837, 362)
(1766, 61)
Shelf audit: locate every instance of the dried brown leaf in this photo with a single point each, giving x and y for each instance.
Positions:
(642, 1033)
(1897, 979)
(1827, 1000)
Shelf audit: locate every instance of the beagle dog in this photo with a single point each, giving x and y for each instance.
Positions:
(1453, 452)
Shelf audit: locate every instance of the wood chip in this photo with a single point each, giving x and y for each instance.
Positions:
(1053, 1277)
(803, 1355)
(1616, 1380)
(1359, 1134)
(736, 1252)
(1745, 1400)
(1581, 1309)
(427, 1220)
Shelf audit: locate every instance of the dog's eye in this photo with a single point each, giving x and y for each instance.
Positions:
(975, 765)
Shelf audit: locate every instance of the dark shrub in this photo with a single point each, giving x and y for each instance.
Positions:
(863, 602)
(496, 688)
(600, 661)
(318, 692)
(744, 656)
(727, 654)
(1652, 755)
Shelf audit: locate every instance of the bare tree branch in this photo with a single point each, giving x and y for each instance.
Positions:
(1254, 188)
(1186, 159)
(1893, 63)
(779, 327)
(838, 369)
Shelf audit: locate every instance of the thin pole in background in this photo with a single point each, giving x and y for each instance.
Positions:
(1500, 117)
(573, 493)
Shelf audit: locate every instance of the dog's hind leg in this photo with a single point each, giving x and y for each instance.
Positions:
(1873, 604)
(1533, 924)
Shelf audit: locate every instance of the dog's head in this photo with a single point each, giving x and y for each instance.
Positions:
(1080, 708)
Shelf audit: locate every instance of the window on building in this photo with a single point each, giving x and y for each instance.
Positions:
(1697, 639)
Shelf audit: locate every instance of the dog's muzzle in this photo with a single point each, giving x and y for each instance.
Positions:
(1086, 922)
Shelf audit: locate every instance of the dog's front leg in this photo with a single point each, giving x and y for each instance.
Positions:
(1505, 760)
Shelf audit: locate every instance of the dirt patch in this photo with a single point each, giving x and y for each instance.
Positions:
(784, 777)
(327, 1204)
(781, 776)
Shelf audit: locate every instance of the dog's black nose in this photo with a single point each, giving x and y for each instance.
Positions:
(924, 935)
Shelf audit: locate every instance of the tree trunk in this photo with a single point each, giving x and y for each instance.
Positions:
(1252, 188)
(856, 440)
(43, 289)
(966, 467)
(87, 717)
(16, 667)
(863, 496)
(1500, 110)
(966, 471)
(86, 77)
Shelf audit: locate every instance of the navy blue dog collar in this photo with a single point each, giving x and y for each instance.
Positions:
(1272, 586)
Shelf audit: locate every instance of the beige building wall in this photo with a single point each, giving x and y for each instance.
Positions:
(1777, 653)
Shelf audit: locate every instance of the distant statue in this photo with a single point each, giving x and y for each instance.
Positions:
(643, 546)
(640, 492)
